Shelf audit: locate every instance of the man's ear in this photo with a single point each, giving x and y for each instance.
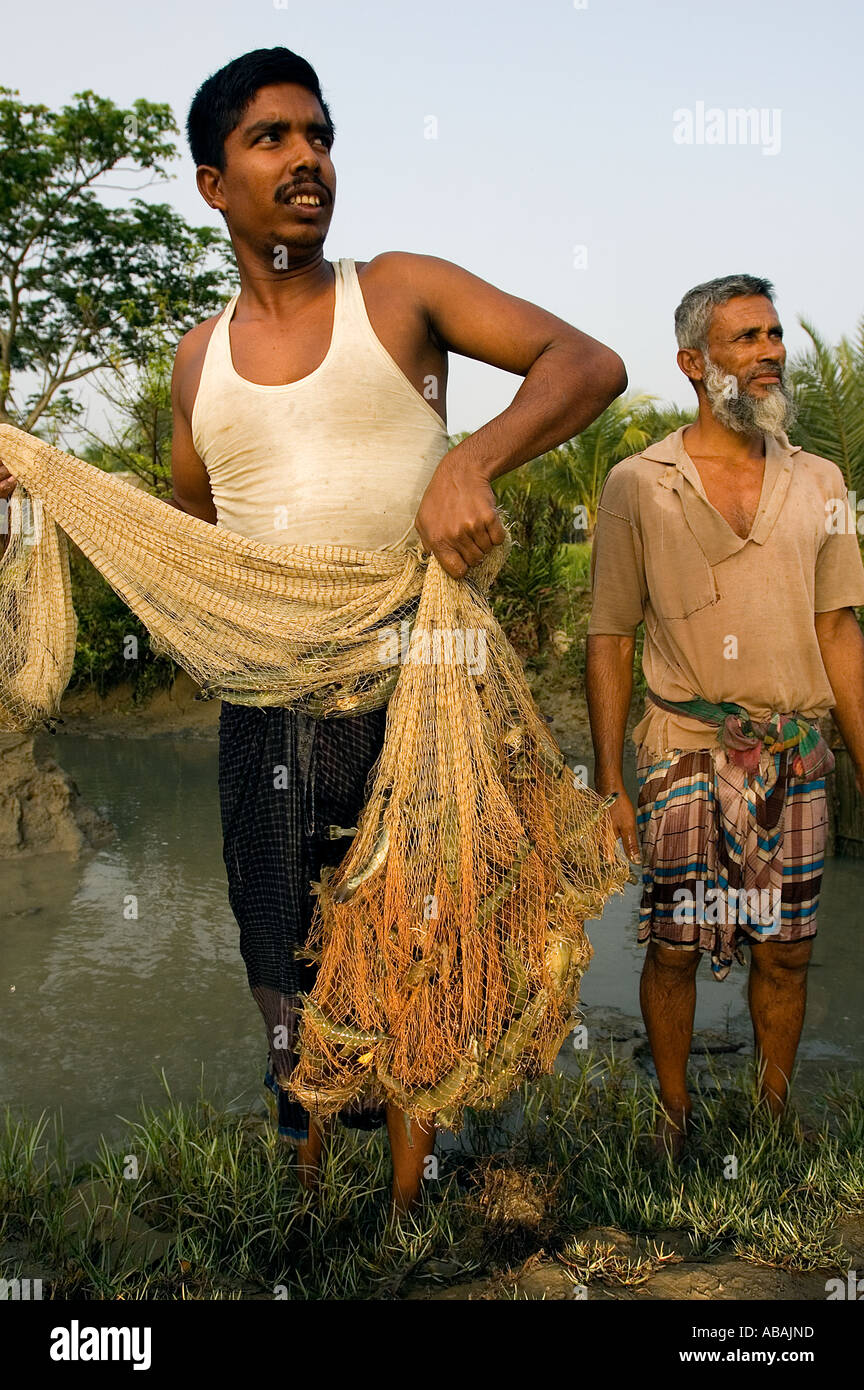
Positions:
(691, 362)
(209, 181)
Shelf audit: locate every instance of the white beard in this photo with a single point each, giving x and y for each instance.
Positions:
(771, 414)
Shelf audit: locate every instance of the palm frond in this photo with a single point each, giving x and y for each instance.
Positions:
(828, 383)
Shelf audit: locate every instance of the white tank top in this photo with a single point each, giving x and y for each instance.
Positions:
(342, 456)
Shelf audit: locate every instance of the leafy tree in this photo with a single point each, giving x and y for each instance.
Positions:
(829, 390)
(527, 587)
(84, 285)
(657, 421)
(139, 440)
(92, 290)
(572, 475)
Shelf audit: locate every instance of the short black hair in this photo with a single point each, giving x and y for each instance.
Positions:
(220, 101)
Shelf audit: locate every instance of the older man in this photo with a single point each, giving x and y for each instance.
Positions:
(724, 539)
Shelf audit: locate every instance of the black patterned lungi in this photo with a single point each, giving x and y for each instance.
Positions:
(284, 779)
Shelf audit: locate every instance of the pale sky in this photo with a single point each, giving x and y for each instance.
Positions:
(556, 127)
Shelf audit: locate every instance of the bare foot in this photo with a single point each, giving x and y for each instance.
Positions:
(670, 1133)
(769, 1103)
(309, 1176)
(399, 1215)
(402, 1206)
(308, 1162)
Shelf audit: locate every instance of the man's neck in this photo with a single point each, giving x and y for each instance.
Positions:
(708, 439)
(267, 292)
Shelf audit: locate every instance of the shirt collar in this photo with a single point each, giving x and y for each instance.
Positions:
(712, 531)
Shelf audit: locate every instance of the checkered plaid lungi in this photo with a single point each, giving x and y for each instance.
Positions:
(284, 779)
(728, 855)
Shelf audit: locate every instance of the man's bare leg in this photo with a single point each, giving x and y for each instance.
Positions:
(777, 994)
(408, 1162)
(309, 1157)
(667, 993)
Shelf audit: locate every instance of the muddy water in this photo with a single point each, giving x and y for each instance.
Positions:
(126, 963)
(834, 1026)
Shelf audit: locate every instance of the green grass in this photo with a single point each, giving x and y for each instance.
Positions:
(576, 563)
(221, 1190)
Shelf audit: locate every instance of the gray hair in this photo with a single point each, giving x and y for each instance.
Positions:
(693, 315)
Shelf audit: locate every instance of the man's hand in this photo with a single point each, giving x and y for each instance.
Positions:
(8, 484)
(457, 520)
(623, 817)
(569, 379)
(609, 687)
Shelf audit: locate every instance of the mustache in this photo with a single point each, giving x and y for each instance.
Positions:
(286, 191)
(773, 367)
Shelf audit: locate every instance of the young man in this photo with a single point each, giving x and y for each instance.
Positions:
(724, 539)
(313, 410)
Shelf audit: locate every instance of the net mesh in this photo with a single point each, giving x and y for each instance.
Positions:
(449, 939)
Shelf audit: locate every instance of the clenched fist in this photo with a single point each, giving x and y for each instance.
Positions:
(8, 484)
(458, 521)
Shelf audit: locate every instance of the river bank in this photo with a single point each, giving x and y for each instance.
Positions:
(557, 1196)
(102, 946)
(176, 711)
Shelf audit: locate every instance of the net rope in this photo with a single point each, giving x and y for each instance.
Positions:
(449, 939)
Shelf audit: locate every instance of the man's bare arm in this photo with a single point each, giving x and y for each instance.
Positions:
(191, 481)
(842, 646)
(609, 688)
(570, 378)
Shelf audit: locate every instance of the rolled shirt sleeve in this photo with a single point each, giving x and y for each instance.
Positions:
(618, 589)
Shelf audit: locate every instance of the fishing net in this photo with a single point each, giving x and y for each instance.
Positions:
(449, 939)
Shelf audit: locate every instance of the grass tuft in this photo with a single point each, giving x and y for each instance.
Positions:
(216, 1211)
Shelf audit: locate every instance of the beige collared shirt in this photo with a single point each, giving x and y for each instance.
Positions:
(726, 617)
